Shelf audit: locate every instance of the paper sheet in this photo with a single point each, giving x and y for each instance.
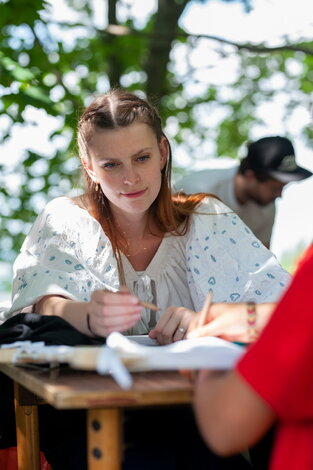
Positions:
(197, 353)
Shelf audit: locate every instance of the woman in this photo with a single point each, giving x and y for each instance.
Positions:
(92, 259)
(273, 381)
(128, 229)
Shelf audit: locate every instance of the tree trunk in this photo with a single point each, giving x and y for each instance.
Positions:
(114, 69)
(164, 32)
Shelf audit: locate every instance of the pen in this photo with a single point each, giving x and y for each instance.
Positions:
(205, 310)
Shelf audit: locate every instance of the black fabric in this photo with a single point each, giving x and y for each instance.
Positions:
(52, 330)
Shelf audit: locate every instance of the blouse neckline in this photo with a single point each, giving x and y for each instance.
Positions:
(153, 269)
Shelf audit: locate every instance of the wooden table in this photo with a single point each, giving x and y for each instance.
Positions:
(65, 388)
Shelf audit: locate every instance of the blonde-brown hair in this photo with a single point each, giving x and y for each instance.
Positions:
(116, 109)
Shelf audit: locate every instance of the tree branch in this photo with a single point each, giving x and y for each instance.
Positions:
(256, 48)
(122, 30)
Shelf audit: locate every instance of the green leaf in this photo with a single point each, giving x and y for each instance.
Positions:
(17, 72)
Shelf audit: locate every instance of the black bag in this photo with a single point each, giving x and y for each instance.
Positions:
(52, 330)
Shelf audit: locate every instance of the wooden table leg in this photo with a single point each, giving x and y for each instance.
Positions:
(104, 439)
(27, 435)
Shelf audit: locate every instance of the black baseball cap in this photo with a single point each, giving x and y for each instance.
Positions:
(274, 157)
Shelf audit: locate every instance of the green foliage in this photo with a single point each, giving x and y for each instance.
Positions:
(291, 258)
(44, 67)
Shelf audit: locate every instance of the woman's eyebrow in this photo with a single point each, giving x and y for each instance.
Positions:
(113, 159)
(145, 149)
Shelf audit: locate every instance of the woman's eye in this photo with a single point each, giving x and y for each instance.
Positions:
(143, 158)
(109, 165)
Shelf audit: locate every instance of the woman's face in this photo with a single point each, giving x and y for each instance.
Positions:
(127, 163)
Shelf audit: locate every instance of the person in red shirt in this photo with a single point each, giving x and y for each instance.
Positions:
(273, 382)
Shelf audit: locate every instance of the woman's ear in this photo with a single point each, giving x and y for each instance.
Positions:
(89, 170)
(163, 146)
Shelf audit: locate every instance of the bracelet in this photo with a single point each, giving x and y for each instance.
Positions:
(251, 321)
(89, 327)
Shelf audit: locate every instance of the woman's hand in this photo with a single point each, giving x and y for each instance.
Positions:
(229, 321)
(173, 325)
(112, 311)
(226, 320)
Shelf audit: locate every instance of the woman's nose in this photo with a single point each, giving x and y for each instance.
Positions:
(130, 177)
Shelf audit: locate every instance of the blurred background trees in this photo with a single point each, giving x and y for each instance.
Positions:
(50, 67)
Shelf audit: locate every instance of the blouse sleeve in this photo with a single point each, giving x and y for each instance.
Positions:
(66, 253)
(225, 257)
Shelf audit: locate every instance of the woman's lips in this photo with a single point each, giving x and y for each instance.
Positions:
(134, 195)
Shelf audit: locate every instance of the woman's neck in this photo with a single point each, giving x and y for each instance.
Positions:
(140, 239)
(132, 227)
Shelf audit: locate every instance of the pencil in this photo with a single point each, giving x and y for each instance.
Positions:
(150, 306)
(141, 302)
(205, 310)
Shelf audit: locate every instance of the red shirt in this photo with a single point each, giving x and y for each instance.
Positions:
(279, 366)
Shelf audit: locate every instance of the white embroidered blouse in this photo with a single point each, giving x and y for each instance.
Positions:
(67, 253)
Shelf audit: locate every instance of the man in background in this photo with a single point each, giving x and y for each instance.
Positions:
(249, 187)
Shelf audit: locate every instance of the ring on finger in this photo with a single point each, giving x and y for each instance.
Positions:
(181, 330)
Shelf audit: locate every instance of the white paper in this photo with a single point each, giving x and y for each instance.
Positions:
(197, 353)
(145, 340)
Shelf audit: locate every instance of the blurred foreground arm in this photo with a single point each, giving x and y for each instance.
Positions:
(230, 415)
(229, 321)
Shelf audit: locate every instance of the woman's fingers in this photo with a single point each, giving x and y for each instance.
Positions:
(165, 318)
(166, 326)
(214, 328)
(181, 331)
(122, 326)
(104, 328)
(115, 298)
(194, 322)
(107, 312)
(153, 334)
(173, 325)
(113, 320)
(113, 311)
(228, 326)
